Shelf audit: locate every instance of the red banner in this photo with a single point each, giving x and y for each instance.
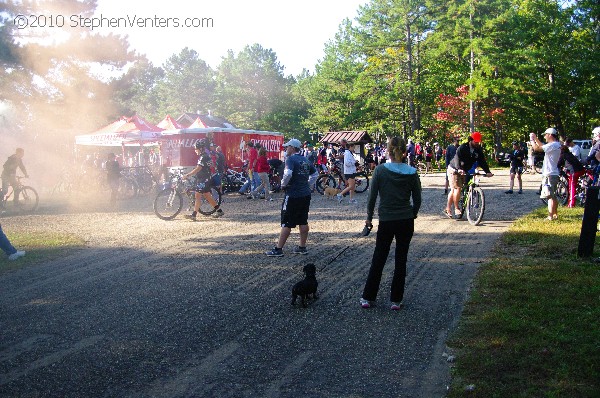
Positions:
(178, 149)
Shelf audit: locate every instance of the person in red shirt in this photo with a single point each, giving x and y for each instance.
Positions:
(262, 169)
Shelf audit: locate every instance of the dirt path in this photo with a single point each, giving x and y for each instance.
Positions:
(180, 309)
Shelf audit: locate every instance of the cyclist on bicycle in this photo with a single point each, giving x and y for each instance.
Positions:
(9, 174)
(466, 156)
(202, 171)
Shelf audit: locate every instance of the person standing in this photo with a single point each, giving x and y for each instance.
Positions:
(516, 167)
(410, 152)
(8, 248)
(550, 173)
(450, 152)
(575, 171)
(428, 150)
(439, 154)
(9, 174)
(296, 202)
(349, 174)
(395, 183)
(250, 182)
(113, 174)
(574, 148)
(262, 168)
(219, 166)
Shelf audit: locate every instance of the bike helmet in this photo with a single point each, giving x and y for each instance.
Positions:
(200, 143)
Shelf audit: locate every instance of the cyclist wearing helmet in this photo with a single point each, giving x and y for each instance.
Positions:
(516, 167)
(203, 181)
(466, 156)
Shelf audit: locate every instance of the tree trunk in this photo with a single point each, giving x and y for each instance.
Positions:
(409, 72)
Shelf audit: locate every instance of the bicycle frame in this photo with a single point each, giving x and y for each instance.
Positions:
(472, 199)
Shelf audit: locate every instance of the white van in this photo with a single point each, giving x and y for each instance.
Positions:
(585, 146)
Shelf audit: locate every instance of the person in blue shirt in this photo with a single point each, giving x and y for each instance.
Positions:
(516, 167)
(296, 202)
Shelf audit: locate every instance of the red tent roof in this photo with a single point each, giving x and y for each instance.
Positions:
(126, 124)
(168, 123)
(198, 124)
(126, 129)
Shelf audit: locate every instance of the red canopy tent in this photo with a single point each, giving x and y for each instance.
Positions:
(128, 131)
(168, 123)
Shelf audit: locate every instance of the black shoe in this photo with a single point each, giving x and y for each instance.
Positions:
(300, 250)
(218, 213)
(509, 191)
(275, 252)
(191, 217)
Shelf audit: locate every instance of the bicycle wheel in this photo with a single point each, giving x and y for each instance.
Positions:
(324, 181)
(167, 204)
(475, 206)
(537, 166)
(361, 182)
(562, 192)
(205, 207)
(421, 168)
(28, 199)
(128, 188)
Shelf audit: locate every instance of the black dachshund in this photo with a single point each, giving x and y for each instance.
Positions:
(306, 287)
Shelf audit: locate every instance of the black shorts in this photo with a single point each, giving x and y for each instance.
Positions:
(294, 211)
(348, 176)
(516, 170)
(203, 185)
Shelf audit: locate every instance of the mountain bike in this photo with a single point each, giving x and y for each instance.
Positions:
(472, 199)
(334, 178)
(169, 200)
(27, 200)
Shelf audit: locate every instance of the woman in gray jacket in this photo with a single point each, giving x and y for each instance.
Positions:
(395, 183)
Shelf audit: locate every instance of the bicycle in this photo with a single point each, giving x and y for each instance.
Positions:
(562, 189)
(472, 200)
(27, 200)
(168, 202)
(334, 178)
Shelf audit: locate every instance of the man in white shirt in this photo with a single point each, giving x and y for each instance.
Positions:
(550, 173)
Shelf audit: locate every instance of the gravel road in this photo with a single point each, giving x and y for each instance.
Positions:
(151, 308)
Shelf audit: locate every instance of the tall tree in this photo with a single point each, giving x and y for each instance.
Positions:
(330, 91)
(389, 33)
(136, 90)
(188, 84)
(251, 86)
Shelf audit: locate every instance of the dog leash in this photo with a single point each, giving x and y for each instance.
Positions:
(335, 258)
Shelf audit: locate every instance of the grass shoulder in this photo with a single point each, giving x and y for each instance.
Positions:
(41, 246)
(531, 327)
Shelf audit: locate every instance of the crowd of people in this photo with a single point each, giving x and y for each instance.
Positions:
(395, 185)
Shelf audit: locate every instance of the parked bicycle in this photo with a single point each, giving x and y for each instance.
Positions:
(169, 200)
(334, 178)
(26, 199)
(472, 199)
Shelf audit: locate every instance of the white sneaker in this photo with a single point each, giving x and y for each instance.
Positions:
(339, 197)
(16, 255)
(365, 303)
(353, 201)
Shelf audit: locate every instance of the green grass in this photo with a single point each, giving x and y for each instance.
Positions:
(40, 247)
(531, 327)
